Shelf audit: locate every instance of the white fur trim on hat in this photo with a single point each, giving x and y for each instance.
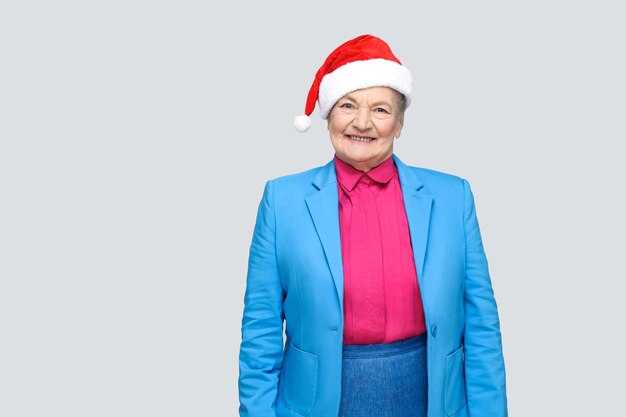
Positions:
(362, 74)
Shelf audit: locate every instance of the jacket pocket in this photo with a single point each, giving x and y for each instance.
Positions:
(454, 394)
(299, 379)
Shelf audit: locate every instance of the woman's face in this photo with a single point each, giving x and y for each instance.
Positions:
(363, 125)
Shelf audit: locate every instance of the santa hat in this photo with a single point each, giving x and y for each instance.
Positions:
(365, 61)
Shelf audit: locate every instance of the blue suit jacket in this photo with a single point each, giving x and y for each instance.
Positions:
(295, 276)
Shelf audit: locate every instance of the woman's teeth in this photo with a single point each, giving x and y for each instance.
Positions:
(361, 139)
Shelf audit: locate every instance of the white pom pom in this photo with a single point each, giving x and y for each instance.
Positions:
(302, 123)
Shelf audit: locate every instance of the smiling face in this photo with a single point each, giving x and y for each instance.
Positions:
(363, 125)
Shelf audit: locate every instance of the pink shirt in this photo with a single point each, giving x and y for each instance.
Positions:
(400, 300)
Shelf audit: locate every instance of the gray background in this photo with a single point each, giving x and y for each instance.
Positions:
(136, 137)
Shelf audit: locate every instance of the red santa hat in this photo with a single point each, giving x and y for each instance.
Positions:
(365, 61)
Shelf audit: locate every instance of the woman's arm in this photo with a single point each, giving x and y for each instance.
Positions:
(484, 362)
(261, 352)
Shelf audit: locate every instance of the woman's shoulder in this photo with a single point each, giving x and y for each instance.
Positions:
(434, 174)
(315, 178)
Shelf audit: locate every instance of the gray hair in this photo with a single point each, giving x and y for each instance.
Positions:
(401, 102)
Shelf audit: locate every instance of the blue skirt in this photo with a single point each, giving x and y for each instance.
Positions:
(385, 380)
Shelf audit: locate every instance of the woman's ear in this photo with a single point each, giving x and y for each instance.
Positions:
(399, 127)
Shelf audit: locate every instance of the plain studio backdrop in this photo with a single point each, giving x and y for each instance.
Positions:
(136, 137)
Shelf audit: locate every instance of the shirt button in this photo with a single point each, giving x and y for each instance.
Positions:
(433, 330)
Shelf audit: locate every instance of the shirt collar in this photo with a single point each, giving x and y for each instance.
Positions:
(348, 176)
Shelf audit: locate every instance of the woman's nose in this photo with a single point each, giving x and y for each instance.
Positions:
(362, 120)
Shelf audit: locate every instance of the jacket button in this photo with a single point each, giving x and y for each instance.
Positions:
(433, 330)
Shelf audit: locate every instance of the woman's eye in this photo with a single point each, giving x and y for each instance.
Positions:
(380, 110)
(347, 106)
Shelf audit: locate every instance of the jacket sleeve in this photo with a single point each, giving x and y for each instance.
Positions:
(484, 362)
(261, 350)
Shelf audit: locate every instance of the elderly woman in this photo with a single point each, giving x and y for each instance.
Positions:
(376, 268)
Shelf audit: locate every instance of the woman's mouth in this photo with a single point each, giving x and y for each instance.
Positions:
(364, 139)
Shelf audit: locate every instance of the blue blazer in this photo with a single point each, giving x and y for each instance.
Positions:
(295, 277)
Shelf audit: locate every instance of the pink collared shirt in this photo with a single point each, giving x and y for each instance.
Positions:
(400, 300)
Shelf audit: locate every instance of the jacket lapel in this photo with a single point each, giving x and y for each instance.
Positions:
(323, 206)
(417, 204)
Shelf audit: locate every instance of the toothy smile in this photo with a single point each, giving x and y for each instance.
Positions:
(361, 138)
